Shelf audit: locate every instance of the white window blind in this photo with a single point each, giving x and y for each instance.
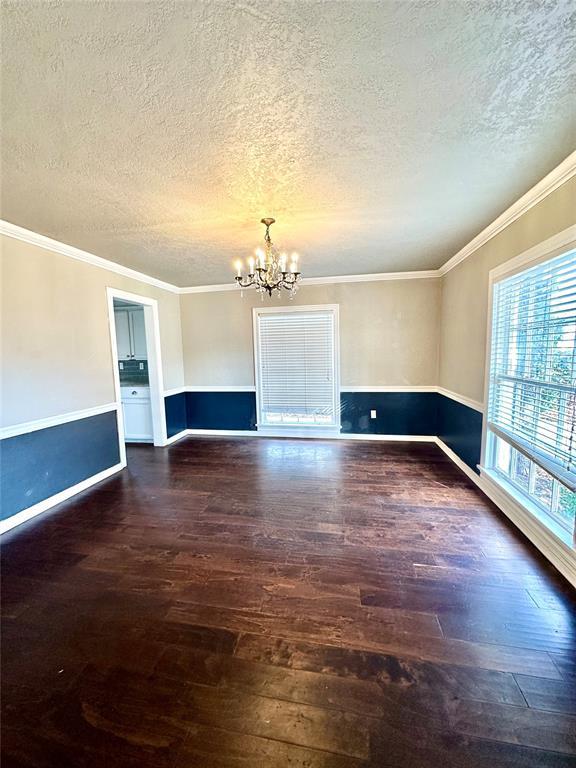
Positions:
(532, 385)
(296, 359)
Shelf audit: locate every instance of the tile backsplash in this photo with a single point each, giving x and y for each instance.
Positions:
(133, 371)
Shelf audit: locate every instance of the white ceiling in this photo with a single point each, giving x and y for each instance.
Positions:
(382, 135)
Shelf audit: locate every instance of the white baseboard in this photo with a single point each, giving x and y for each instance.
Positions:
(304, 435)
(58, 498)
(387, 438)
(224, 432)
(562, 557)
(474, 476)
(174, 438)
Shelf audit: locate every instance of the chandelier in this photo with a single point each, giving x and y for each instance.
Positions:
(269, 271)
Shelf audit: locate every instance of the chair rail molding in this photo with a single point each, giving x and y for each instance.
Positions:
(53, 421)
(475, 404)
(210, 388)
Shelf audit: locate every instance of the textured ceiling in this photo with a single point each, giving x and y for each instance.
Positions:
(382, 135)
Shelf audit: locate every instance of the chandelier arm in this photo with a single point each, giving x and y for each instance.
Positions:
(245, 284)
(293, 281)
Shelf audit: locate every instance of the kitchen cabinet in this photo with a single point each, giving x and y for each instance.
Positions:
(137, 414)
(123, 335)
(130, 334)
(138, 329)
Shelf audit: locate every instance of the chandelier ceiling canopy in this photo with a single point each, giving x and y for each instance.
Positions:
(270, 270)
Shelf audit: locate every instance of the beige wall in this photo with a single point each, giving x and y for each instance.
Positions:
(56, 354)
(388, 332)
(465, 290)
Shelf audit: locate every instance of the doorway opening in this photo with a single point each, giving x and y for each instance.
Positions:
(135, 344)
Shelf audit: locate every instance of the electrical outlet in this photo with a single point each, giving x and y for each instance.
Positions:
(372, 414)
(121, 366)
(141, 366)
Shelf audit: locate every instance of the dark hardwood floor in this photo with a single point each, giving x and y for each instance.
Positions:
(271, 603)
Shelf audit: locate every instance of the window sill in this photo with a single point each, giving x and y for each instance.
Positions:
(287, 430)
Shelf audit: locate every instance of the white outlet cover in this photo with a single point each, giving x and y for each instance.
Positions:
(372, 414)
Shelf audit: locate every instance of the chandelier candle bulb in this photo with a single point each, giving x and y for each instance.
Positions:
(271, 274)
(239, 268)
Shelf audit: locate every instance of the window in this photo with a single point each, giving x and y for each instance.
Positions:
(296, 353)
(549, 495)
(531, 427)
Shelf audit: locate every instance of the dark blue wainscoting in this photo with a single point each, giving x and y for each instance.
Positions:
(221, 410)
(397, 413)
(460, 427)
(37, 465)
(415, 413)
(175, 406)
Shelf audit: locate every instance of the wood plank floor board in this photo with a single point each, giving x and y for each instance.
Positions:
(294, 723)
(488, 656)
(406, 677)
(566, 664)
(550, 695)
(273, 603)
(394, 747)
(362, 697)
(512, 626)
(516, 725)
(208, 747)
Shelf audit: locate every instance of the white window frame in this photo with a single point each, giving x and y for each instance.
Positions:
(557, 245)
(304, 430)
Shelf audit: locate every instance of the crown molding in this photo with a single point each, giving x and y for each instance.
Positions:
(210, 288)
(33, 238)
(398, 388)
(560, 175)
(309, 281)
(372, 277)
